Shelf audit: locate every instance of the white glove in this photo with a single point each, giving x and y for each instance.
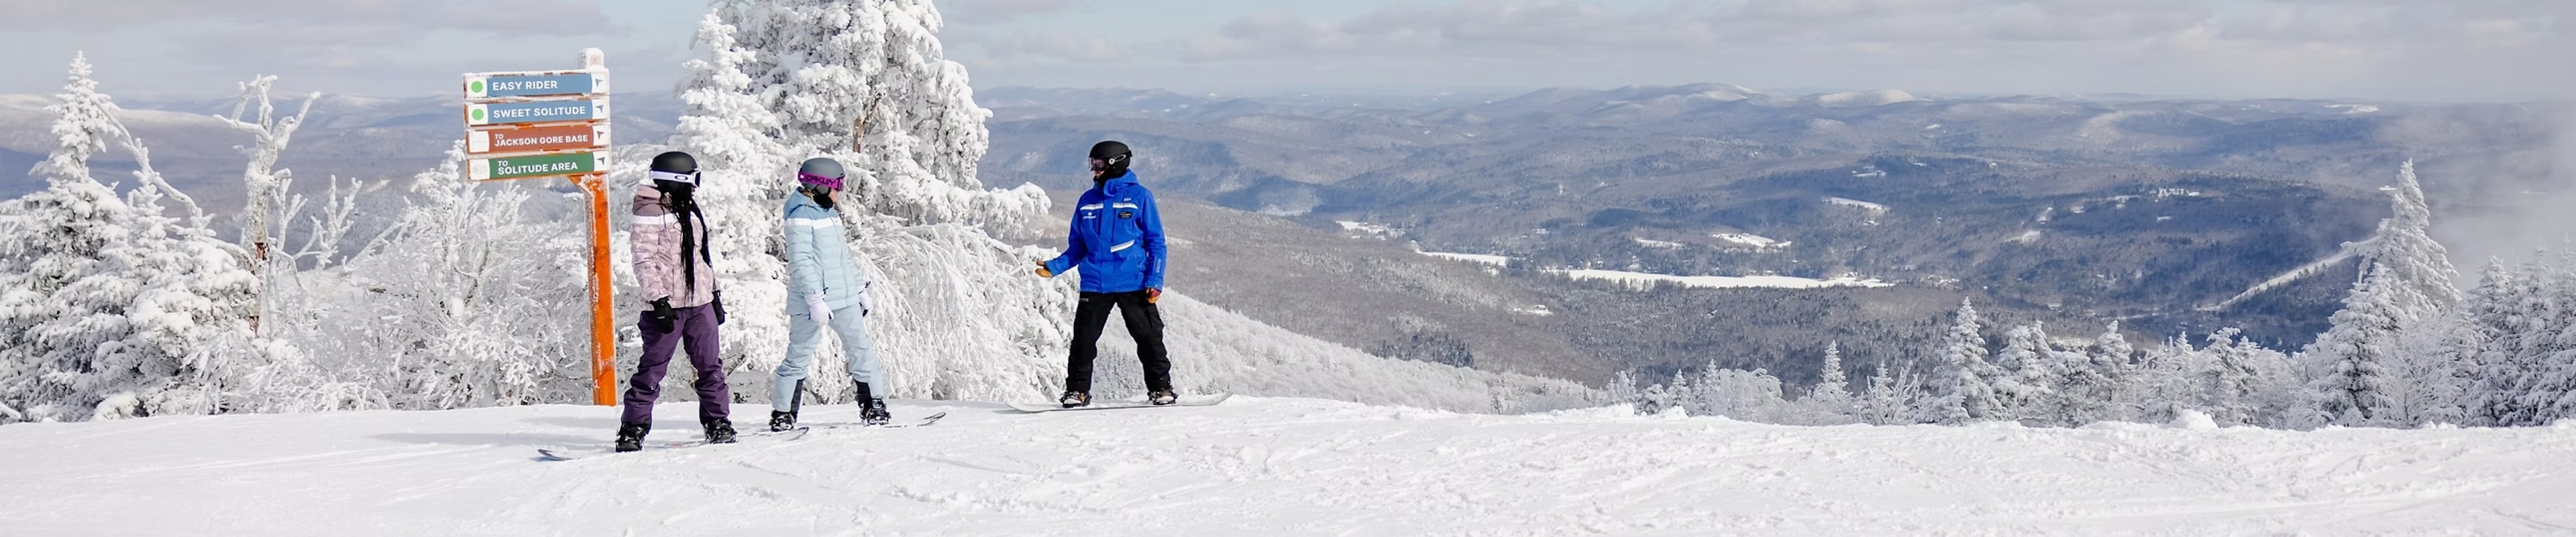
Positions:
(864, 306)
(816, 306)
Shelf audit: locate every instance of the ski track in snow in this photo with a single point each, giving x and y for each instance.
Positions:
(1264, 466)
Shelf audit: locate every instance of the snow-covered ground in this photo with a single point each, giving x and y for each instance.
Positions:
(1757, 242)
(1848, 202)
(1371, 230)
(1719, 282)
(1266, 467)
(1480, 259)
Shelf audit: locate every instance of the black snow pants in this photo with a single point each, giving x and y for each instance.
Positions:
(1143, 321)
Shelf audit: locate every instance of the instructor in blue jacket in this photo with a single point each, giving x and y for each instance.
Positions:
(1117, 244)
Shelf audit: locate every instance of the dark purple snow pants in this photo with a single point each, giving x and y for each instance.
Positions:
(697, 326)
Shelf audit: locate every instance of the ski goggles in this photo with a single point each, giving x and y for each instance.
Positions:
(1102, 165)
(690, 178)
(833, 183)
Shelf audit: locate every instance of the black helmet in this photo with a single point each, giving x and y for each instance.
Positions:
(674, 172)
(675, 162)
(1110, 158)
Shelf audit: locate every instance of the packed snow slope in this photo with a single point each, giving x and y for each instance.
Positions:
(1264, 466)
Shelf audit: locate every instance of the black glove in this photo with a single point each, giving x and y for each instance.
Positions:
(663, 319)
(720, 314)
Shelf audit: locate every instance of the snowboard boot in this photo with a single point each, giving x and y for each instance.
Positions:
(1163, 397)
(873, 412)
(719, 431)
(781, 421)
(1073, 399)
(872, 409)
(630, 437)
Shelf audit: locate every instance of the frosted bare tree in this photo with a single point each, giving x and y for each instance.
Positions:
(261, 178)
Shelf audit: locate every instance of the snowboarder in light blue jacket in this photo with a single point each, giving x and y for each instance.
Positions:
(824, 288)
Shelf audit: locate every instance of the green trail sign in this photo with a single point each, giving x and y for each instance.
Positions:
(498, 168)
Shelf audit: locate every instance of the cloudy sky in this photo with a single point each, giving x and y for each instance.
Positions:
(2440, 50)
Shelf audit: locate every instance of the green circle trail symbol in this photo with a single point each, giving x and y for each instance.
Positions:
(478, 114)
(478, 86)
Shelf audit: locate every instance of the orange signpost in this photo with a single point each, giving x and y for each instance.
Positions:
(545, 125)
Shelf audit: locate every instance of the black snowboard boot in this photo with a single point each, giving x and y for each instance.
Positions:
(781, 421)
(719, 431)
(630, 437)
(872, 409)
(873, 412)
(1163, 397)
(1073, 399)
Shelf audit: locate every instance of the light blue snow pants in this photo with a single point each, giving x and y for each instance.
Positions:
(804, 336)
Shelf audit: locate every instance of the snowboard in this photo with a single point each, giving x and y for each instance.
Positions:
(559, 454)
(1186, 400)
(566, 454)
(923, 421)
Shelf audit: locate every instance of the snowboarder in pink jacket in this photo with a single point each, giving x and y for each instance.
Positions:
(683, 303)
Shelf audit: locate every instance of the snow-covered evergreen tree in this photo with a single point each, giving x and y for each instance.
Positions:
(2510, 313)
(2031, 368)
(1736, 394)
(2234, 380)
(2404, 247)
(2548, 392)
(2088, 388)
(866, 83)
(2163, 383)
(1968, 380)
(1622, 390)
(2354, 357)
(50, 240)
(121, 310)
(1830, 401)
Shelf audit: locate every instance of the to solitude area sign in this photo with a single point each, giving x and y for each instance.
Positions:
(487, 169)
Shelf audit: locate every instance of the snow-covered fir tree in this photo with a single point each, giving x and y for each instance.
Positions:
(1967, 379)
(866, 83)
(2352, 359)
(1830, 401)
(2548, 389)
(120, 310)
(2236, 378)
(51, 240)
(2090, 380)
(2508, 308)
(2031, 368)
(2163, 383)
(2404, 247)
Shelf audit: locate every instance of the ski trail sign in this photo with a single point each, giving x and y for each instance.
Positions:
(553, 124)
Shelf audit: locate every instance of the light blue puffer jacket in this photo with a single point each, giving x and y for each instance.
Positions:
(818, 257)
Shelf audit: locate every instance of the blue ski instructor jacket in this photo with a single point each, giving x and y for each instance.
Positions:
(1117, 239)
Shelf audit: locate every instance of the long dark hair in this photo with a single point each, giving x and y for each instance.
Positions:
(684, 204)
